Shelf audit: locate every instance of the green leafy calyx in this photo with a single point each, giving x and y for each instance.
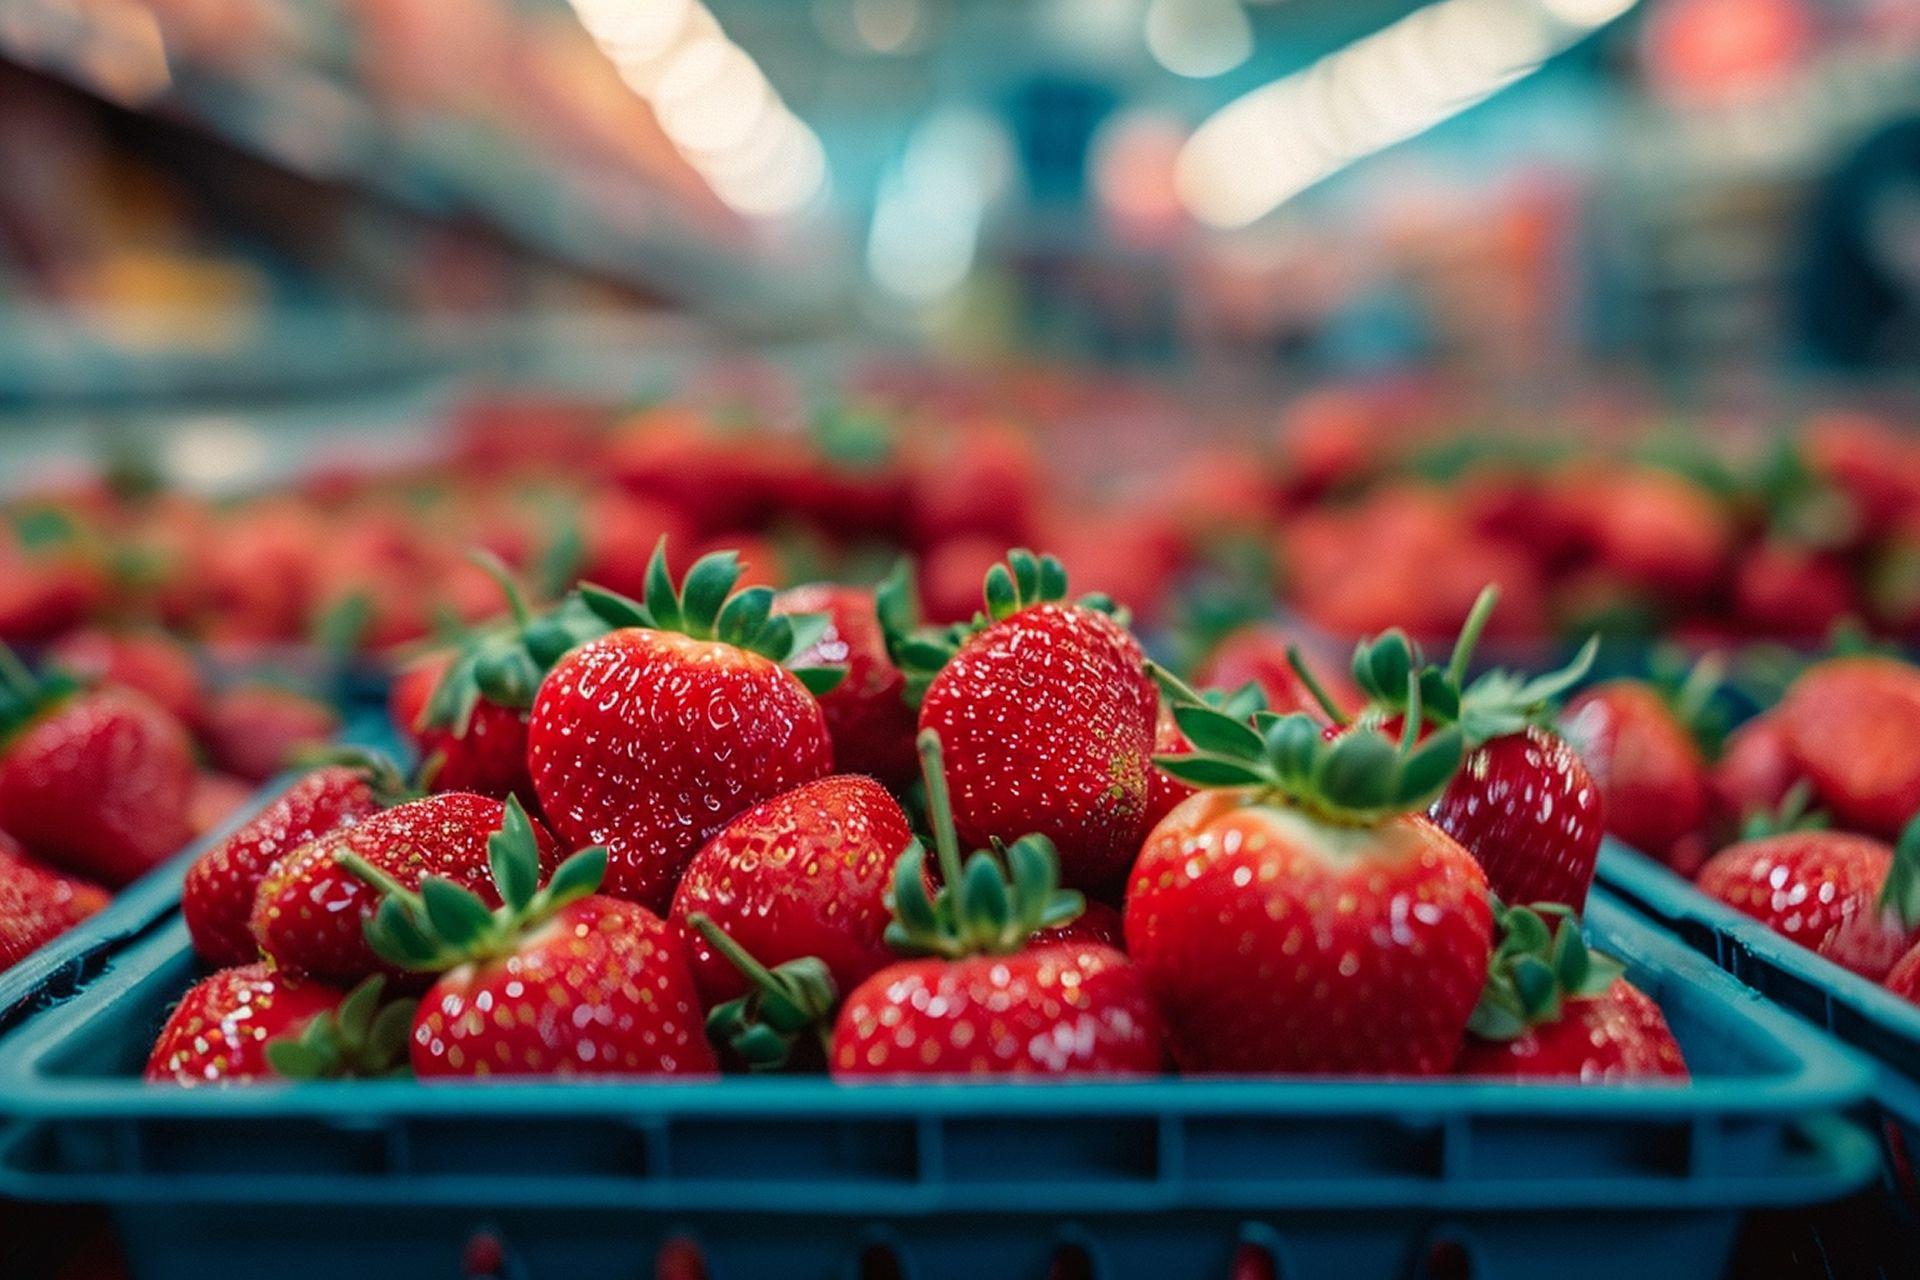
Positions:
(1900, 892)
(1539, 964)
(23, 695)
(706, 606)
(1359, 777)
(788, 1009)
(443, 924)
(361, 1039)
(991, 903)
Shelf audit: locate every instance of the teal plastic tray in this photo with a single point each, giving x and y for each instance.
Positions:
(805, 1178)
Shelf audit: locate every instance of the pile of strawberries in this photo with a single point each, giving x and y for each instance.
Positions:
(710, 828)
(113, 759)
(1806, 817)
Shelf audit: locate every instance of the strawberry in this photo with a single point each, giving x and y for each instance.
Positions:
(802, 874)
(1270, 914)
(986, 1001)
(554, 981)
(37, 904)
(1164, 791)
(215, 798)
(149, 661)
(1853, 725)
(868, 716)
(1522, 803)
(1263, 654)
(1097, 925)
(465, 711)
(1755, 771)
(1848, 896)
(1554, 1010)
(95, 781)
(651, 738)
(1648, 765)
(309, 911)
(257, 1023)
(1791, 592)
(217, 897)
(1904, 978)
(1047, 714)
(255, 730)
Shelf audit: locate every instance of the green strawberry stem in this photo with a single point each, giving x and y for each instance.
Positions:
(1470, 631)
(706, 606)
(388, 782)
(443, 924)
(1312, 684)
(791, 999)
(1535, 969)
(361, 1039)
(1900, 892)
(990, 904)
(494, 567)
(1795, 812)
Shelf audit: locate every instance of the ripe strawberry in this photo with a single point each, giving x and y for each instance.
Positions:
(465, 711)
(1554, 1010)
(1649, 767)
(310, 911)
(868, 716)
(217, 897)
(1047, 714)
(216, 797)
(1853, 724)
(256, 730)
(1271, 916)
(802, 874)
(257, 1023)
(988, 1002)
(1791, 592)
(1522, 803)
(37, 904)
(651, 738)
(554, 981)
(1262, 655)
(95, 781)
(1754, 773)
(1097, 925)
(149, 661)
(1848, 896)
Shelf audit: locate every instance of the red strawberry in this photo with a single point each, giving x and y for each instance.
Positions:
(990, 1002)
(868, 716)
(1555, 1011)
(1260, 654)
(1522, 803)
(1047, 714)
(152, 663)
(37, 904)
(490, 757)
(256, 730)
(1904, 979)
(555, 981)
(1755, 771)
(310, 911)
(1650, 769)
(802, 874)
(1097, 925)
(651, 738)
(1302, 919)
(1791, 592)
(97, 782)
(216, 797)
(260, 1023)
(1847, 896)
(1853, 724)
(218, 895)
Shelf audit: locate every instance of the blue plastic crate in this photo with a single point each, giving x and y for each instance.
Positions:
(1861, 1013)
(805, 1178)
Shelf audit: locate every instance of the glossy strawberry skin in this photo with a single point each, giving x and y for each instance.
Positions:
(309, 912)
(1651, 773)
(1617, 1035)
(1525, 807)
(150, 662)
(99, 784)
(803, 874)
(1276, 943)
(602, 989)
(1804, 885)
(490, 758)
(1047, 718)
(1853, 724)
(649, 742)
(1063, 1009)
(219, 1032)
(1097, 925)
(217, 897)
(37, 904)
(868, 716)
